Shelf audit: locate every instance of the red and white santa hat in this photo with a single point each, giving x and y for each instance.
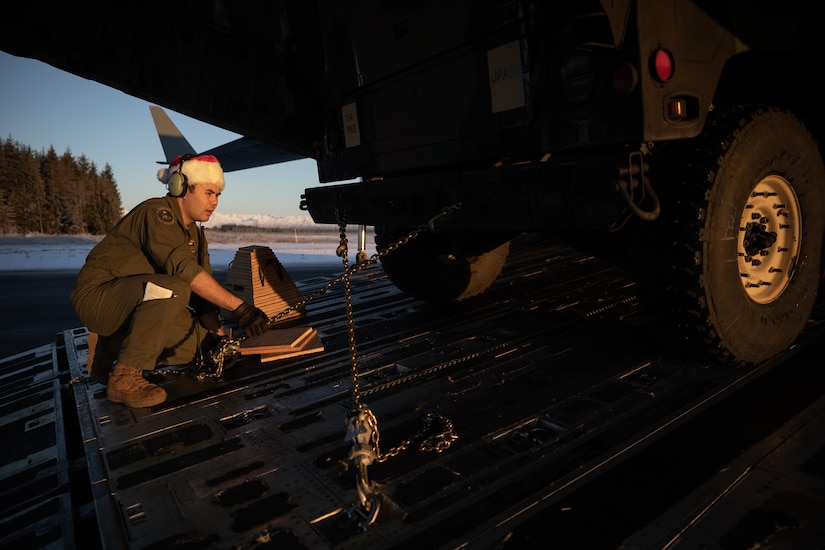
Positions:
(197, 169)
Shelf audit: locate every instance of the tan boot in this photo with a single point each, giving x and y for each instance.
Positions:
(128, 386)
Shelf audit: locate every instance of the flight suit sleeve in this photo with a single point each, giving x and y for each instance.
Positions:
(208, 313)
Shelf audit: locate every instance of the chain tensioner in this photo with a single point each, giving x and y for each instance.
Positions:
(361, 422)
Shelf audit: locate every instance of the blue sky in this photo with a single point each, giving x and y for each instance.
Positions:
(42, 107)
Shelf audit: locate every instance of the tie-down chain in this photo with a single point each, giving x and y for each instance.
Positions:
(362, 423)
(229, 348)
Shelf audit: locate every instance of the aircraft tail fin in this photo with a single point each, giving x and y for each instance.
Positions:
(171, 139)
(239, 154)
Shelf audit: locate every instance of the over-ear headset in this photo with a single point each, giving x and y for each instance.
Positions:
(178, 184)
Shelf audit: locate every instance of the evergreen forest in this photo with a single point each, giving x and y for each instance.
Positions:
(43, 192)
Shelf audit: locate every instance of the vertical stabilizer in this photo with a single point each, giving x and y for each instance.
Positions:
(171, 139)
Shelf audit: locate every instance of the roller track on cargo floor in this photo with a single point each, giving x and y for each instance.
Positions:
(554, 381)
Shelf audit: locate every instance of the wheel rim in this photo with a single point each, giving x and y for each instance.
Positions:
(770, 236)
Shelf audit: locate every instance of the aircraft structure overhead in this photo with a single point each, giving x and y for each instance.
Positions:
(232, 65)
(626, 196)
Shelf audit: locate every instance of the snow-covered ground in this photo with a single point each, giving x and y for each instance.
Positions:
(297, 246)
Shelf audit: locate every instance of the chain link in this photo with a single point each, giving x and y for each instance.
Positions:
(437, 443)
(342, 252)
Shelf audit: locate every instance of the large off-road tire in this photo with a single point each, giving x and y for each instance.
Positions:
(441, 267)
(743, 222)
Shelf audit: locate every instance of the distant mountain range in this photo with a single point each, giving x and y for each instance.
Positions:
(257, 220)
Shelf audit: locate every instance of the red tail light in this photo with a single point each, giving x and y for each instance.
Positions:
(662, 65)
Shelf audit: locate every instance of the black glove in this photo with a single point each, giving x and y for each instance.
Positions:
(253, 321)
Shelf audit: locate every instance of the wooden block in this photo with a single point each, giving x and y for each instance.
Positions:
(314, 345)
(257, 277)
(277, 341)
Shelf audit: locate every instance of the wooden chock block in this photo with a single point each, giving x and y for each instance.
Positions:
(256, 276)
(283, 343)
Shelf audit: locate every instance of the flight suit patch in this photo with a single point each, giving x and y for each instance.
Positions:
(165, 216)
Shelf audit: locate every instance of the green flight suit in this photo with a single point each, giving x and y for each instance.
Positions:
(135, 284)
